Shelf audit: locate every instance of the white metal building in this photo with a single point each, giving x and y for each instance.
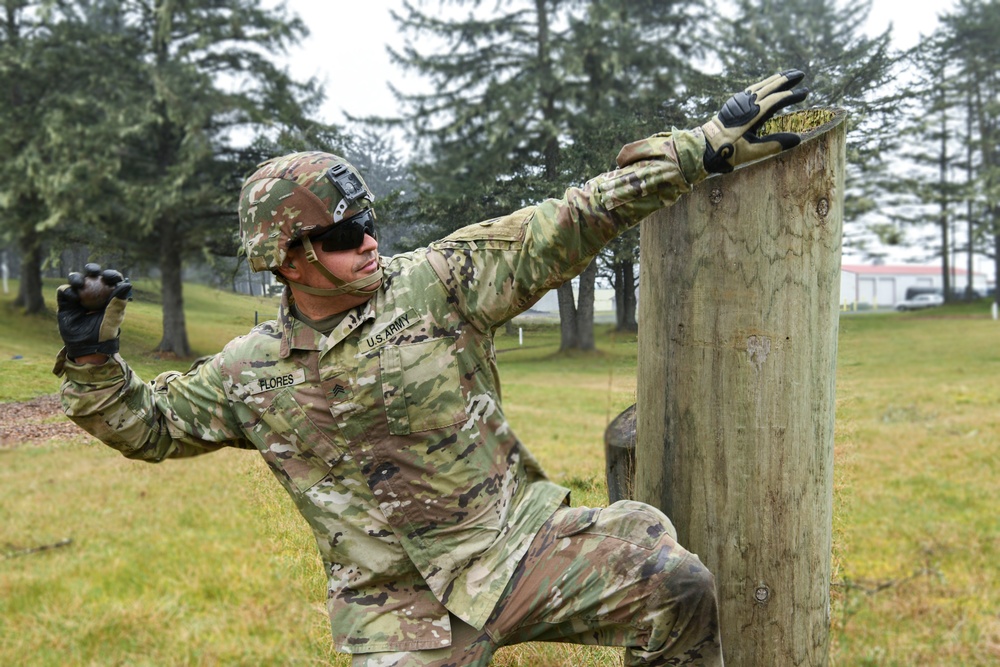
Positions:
(885, 286)
(861, 286)
(604, 301)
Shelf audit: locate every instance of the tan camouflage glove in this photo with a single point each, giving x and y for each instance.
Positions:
(91, 309)
(731, 136)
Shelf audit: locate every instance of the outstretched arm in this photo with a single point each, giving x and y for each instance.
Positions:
(496, 269)
(176, 415)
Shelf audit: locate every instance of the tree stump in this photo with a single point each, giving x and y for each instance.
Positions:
(619, 455)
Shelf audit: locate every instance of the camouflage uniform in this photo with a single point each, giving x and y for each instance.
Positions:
(390, 436)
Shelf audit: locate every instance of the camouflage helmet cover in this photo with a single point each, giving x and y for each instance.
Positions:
(291, 196)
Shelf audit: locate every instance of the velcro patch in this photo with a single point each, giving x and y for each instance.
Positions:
(384, 335)
(276, 382)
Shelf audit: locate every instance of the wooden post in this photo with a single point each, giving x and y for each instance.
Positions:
(619, 455)
(738, 309)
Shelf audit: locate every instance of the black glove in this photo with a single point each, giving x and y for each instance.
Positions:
(91, 309)
(731, 136)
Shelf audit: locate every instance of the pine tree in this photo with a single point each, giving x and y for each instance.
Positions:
(629, 75)
(24, 43)
(180, 148)
(932, 146)
(126, 121)
(376, 156)
(969, 41)
(824, 39)
(486, 136)
(531, 98)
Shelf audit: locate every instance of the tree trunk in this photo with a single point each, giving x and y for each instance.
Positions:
(988, 153)
(617, 270)
(174, 339)
(996, 267)
(943, 215)
(970, 287)
(29, 293)
(625, 296)
(568, 331)
(576, 316)
(585, 308)
(969, 220)
(737, 353)
(630, 323)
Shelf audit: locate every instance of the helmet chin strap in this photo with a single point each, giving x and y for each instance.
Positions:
(354, 288)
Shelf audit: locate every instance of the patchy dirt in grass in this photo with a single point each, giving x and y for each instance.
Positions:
(36, 421)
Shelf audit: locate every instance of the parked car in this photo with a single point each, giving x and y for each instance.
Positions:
(921, 301)
(916, 290)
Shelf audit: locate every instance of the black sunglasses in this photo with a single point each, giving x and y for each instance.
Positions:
(347, 234)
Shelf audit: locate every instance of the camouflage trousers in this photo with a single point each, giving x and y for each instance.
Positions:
(612, 577)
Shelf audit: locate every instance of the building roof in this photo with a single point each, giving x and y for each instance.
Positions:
(902, 270)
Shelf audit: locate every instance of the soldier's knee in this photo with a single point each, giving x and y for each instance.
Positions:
(692, 588)
(686, 617)
(705, 591)
(649, 513)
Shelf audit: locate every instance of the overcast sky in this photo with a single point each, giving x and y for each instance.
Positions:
(346, 47)
(346, 52)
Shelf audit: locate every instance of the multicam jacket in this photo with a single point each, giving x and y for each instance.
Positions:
(389, 432)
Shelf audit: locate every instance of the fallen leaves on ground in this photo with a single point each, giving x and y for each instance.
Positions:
(38, 420)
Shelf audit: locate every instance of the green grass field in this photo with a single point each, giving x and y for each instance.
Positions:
(204, 562)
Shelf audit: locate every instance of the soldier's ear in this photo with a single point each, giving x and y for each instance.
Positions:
(290, 267)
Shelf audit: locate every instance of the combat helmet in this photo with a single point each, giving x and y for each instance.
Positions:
(294, 197)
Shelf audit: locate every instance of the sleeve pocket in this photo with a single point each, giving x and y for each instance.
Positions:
(507, 232)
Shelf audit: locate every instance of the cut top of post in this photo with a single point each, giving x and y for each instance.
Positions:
(809, 123)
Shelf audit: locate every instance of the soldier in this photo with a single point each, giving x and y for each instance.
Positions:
(374, 398)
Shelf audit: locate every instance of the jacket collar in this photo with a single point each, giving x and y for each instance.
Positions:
(297, 335)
